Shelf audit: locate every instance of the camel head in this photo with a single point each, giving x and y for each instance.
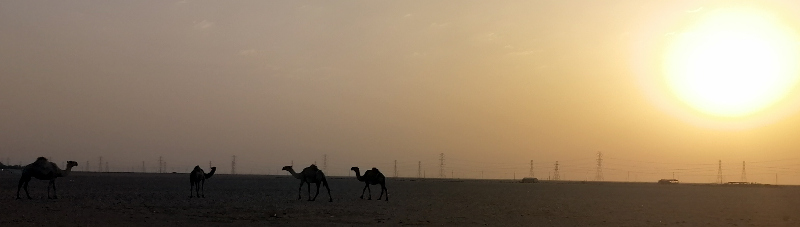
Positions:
(72, 164)
(287, 168)
(354, 169)
(213, 168)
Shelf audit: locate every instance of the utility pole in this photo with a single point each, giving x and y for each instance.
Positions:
(233, 165)
(744, 173)
(719, 173)
(160, 164)
(441, 166)
(100, 166)
(599, 172)
(209, 165)
(395, 168)
(143, 169)
(555, 173)
(107, 169)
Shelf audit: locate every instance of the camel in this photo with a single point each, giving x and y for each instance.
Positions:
(43, 169)
(372, 177)
(310, 174)
(197, 180)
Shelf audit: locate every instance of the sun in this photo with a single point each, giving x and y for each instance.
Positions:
(732, 62)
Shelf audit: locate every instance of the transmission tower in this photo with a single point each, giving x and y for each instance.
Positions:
(419, 169)
(599, 172)
(555, 173)
(100, 166)
(530, 174)
(107, 169)
(160, 164)
(143, 169)
(233, 165)
(86, 168)
(719, 172)
(395, 168)
(325, 162)
(441, 166)
(744, 173)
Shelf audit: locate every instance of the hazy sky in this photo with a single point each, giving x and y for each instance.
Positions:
(491, 84)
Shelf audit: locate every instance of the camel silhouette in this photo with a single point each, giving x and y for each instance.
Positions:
(372, 177)
(43, 169)
(197, 180)
(309, 175)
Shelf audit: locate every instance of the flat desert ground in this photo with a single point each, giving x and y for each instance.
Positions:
(141, 199)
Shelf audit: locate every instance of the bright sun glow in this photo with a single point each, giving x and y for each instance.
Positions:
(733, 62)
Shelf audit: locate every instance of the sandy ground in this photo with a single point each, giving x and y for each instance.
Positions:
(132, 199)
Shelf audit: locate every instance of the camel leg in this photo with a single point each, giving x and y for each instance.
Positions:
(23, 181)
(55, 194)
(383, 188)
(191, 188)
(203, 187)
(26, 189)
(315, 195)
(300, 191)
(364, 190)
(325, 183)
(369, 191)
(308, 185)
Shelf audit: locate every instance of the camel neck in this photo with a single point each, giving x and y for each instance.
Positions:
(294, 174)
(358, 175)
(66, 172)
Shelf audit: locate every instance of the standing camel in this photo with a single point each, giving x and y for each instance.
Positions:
(310, 174)
(373, 177)
(197, 180)
(43, 169)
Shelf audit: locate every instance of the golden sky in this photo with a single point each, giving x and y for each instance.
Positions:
(491, 84)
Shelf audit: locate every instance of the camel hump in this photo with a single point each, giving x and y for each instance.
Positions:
(375, 169)
(41, 159)
(314, 167)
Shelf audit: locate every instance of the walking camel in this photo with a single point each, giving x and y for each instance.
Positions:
(309, 175)
(197, 180)
(372, 177)
(43, 169)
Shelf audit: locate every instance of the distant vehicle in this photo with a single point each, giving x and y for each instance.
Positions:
(668, 181)
(530, 180)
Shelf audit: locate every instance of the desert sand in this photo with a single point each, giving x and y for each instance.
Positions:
(137, 199)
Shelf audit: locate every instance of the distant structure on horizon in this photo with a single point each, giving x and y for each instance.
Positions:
(599, 172)
(556, 176)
